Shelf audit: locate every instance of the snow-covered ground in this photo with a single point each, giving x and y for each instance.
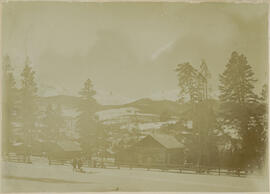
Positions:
(44, 178)
(116, 113)
(124, 116)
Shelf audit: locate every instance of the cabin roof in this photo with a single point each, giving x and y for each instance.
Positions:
(69, 146)
(167, 141)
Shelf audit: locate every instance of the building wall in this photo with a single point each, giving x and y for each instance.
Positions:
(176, 156)
(149, 151)
(150, 155)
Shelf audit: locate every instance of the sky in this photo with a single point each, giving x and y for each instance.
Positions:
(130, 50)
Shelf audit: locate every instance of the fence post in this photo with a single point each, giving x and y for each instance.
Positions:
(219, 171)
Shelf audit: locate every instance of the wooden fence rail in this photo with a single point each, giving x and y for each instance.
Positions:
(12, 157)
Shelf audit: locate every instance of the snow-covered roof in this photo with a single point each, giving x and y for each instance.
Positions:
(69, 146)
(167, 141)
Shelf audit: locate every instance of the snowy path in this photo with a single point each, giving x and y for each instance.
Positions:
(42, 177)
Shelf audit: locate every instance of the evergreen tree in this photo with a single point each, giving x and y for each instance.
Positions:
(264, 94)
(241, 109)
(193, 85)
(264, 122)
(28, 107)
(102, 142)
(87, 123)
(237, 81)
(205, 75)
(9, 104)
(53, 122)
(188, 81)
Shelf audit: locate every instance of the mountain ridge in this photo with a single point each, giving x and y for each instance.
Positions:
(143, 105)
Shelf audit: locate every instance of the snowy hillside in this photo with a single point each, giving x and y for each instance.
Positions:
(110, 98)
(144, 114)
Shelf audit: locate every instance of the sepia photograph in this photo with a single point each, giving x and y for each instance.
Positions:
(134, 96)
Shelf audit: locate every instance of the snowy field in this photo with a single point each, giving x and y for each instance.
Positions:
(41, 177)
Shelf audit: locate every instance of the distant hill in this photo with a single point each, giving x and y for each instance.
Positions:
(158, 107)
(145, 112)
(144, 105)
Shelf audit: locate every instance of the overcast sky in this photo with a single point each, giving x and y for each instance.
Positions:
(131, 49)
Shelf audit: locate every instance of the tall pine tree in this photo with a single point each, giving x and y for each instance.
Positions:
(241, 110)
(9, 104)
(188, 81)
(193, 85)
(237, 81)
(28, 106)
(87, 123)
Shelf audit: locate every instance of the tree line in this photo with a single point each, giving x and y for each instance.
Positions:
(239, 111)
(24, 121)
(230, 131)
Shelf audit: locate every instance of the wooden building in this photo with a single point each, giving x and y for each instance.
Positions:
(64, 149)
(153, 149)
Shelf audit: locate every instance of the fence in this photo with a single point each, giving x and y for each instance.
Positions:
(98, 163)
(186, 169)
(19, 158)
